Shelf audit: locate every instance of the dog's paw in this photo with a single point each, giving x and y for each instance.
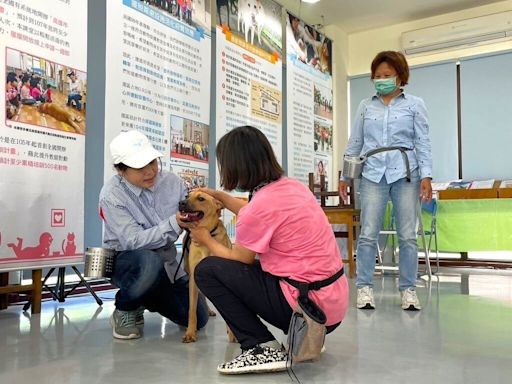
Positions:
(211, 313)
(189, 337)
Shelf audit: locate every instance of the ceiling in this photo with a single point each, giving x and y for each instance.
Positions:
(359, 15)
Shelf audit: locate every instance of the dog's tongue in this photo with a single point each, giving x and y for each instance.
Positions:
(191, 216)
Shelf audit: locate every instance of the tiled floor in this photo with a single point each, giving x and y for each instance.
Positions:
(462, 335)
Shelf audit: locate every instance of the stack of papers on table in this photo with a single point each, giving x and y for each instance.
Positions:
(506, 184)
(482, 184)
(440, 186)
(459, 184)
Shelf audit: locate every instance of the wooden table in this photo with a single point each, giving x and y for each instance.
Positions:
(349, 217)
(35, 288)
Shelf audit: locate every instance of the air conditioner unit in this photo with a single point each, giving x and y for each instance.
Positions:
(479, 30)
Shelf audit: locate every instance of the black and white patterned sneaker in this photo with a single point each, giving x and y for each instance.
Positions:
(259, 359)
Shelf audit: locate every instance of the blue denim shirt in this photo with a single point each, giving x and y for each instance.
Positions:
(402, 123)
(140, 218)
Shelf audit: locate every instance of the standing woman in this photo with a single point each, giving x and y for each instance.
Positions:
(286, 227)
(391, 117)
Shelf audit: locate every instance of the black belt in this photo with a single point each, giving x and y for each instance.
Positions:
(305, 303)
(304, 288)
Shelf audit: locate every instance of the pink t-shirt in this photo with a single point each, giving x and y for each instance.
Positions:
(35, 92)
(285, 225)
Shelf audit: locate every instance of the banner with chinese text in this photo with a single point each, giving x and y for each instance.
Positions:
(43, 53)
(309, 100)
(158, 81)
(249, 68)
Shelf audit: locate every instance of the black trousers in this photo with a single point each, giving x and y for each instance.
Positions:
(243, 294)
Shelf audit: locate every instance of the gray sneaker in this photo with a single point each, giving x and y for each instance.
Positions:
(410, 301)
(123, 325)
(365, 298)
(139, 317)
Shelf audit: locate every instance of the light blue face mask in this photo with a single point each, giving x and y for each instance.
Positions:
(385, 86)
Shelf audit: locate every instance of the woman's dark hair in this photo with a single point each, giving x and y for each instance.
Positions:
(246, 159)
(394, 59)
(121, 167)
(292, 18)
(11, 77)
(34, 82)
(25, 78)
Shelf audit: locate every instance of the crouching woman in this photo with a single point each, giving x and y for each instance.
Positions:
(283, 224)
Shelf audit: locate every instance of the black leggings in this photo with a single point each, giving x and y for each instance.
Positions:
(242, 294)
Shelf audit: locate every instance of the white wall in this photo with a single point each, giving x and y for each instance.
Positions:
(363, 46)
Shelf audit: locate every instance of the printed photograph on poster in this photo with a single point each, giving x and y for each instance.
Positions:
(321, 169)
(195, 13)
(308, 45)
(189, 139)
(44, 93)
(193, 177)
(322, 136)
(258, 22)
(265, 102)
(323, 101)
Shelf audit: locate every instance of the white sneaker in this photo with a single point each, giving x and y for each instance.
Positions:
(410, 301)
(365, 298)
(259, 359)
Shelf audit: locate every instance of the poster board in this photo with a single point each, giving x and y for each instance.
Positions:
(309, 101)
(249, 69)
(42, 135)
(158, 81)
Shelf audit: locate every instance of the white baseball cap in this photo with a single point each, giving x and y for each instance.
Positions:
(132, 148)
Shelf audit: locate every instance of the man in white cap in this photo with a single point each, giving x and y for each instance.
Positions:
(139, 207)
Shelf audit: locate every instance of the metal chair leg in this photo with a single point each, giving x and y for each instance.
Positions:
(424, 242)
(437, 250)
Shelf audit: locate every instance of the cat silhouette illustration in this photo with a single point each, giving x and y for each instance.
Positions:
(69, 248)
(40, 250)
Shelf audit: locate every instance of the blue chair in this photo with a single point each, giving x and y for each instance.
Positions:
(430, 209)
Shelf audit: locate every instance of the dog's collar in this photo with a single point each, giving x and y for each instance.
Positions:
(212, 232)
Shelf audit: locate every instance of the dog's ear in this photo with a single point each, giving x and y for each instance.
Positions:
(219, 205)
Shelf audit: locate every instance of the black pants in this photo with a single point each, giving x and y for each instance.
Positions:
(242, 294)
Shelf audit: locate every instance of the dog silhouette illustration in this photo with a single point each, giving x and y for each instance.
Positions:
(40, 250)
(69, 248)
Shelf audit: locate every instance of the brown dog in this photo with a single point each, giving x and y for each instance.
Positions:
(203, 209)
(62, 114)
